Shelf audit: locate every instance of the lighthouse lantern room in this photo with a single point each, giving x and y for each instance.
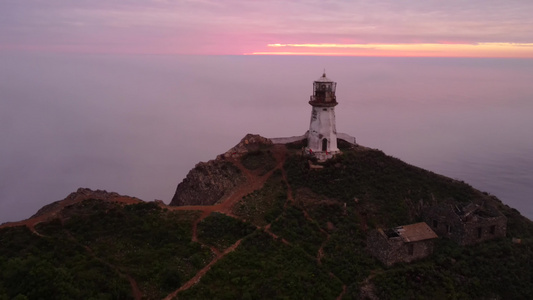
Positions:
(322, 136)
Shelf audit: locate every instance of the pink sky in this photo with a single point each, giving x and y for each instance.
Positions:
(475, 28)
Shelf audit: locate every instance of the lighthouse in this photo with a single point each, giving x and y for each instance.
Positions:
(322, 136)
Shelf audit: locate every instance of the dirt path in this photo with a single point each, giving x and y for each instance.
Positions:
(55, 212)
(281, 157)
(275, 236)
(280, 154)
(202, 272)
(135, 291)
(367, 290)
(342, 293)
(320, 252)
(254, 182)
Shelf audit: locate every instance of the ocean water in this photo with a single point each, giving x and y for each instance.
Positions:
(137, 124)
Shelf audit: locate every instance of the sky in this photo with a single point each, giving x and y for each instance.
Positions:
(429, 28)
(52, 73)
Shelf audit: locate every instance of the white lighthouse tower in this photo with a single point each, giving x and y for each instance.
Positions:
(322, 136)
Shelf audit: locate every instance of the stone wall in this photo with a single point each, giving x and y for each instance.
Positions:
(391, 250)
(482, 225)
(484, 229)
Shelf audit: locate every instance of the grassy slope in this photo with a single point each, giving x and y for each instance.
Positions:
(96, 249)
(320, 246)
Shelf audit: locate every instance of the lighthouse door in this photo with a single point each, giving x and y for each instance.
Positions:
(324, 144)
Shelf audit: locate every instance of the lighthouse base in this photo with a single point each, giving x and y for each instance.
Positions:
(321, 155)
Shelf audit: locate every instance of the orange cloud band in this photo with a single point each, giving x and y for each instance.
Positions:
(515, 50)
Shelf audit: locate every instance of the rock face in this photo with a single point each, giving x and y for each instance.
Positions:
(251, 142)
(208, 183)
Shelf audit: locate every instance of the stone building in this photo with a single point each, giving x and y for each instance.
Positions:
(468, 224)
(401, 244)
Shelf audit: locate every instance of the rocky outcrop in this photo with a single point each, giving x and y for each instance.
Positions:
(73, 204)
(208, 183)
(250, 143)
(80, 195)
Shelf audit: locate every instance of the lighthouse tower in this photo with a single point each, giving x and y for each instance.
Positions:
(322, 136)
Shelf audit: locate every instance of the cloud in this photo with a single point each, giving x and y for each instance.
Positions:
(522, 50)
(238, 26)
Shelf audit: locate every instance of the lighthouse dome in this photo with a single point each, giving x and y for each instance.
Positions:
(323, 78)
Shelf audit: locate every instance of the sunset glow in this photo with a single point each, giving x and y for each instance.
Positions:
(431, 28)
(128, 95)
(510, 50)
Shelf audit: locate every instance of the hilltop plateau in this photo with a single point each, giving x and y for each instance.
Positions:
(264, 221)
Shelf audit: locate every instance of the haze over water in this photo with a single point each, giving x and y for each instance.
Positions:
(137, 124)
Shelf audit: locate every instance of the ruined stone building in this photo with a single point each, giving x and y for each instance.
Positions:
(468, 224)
(401, 244)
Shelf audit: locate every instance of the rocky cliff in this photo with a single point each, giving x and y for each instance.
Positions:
(207, 183)
(211, 181)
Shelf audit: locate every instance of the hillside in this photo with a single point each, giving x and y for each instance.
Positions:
(274, 228)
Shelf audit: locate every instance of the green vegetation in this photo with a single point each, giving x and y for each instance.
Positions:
(33, 267)
(259, 160)
(387, 189)
(343, 145)
(221, 231)
(151, 245)
(326, 212)
(491, 270)
(517, 225)
(314, 248)
(294, 227)
(263, 206)
(298, 145)
(264, 268)
(345, 254)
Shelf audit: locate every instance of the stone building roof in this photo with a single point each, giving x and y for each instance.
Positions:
(415, 232)
(466, 213)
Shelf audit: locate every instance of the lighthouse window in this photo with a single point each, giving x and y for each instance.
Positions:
(324, 109)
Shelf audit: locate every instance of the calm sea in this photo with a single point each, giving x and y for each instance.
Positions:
(137, 124)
